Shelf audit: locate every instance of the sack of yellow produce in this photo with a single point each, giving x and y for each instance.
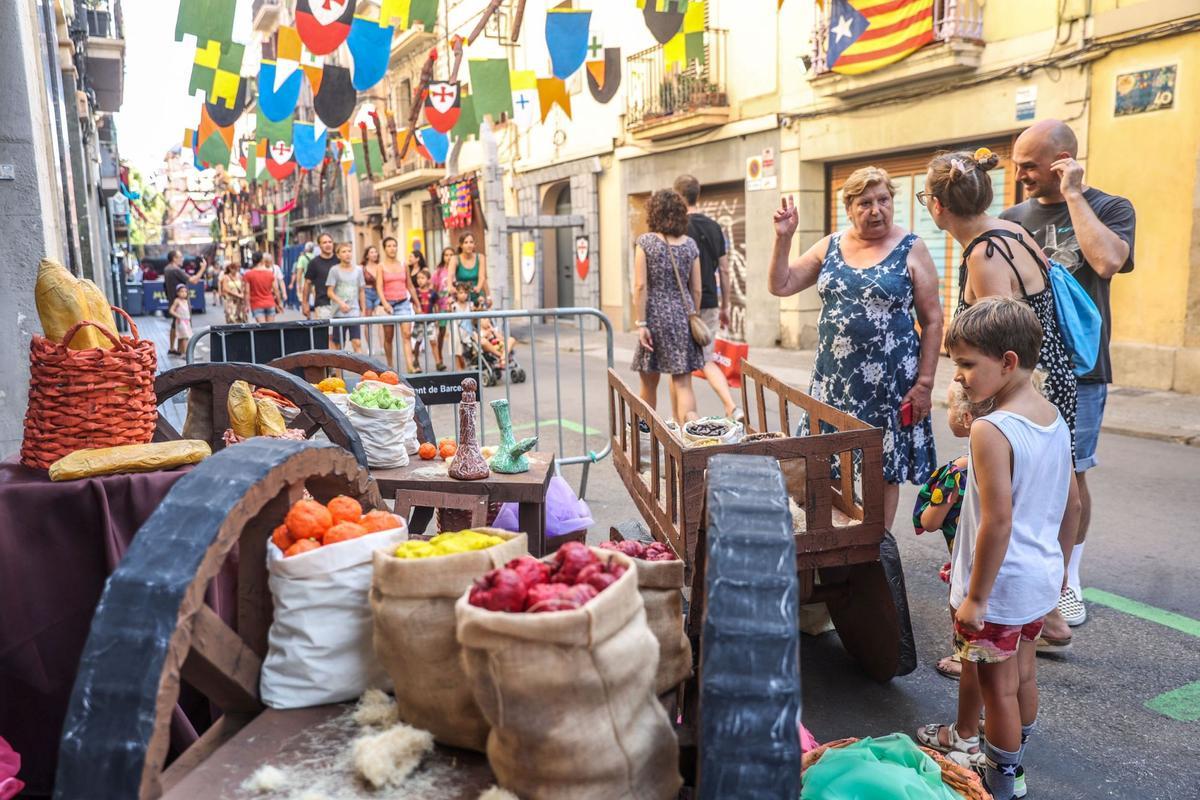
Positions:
(412, 602)
(243, 411)
(129, 458)
(270, 419)
(63, 301)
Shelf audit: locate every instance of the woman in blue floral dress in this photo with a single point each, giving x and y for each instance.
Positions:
(871, 360)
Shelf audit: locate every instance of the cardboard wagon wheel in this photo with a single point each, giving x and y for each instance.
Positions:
(152, 629)
(208, 387)
(315, 365)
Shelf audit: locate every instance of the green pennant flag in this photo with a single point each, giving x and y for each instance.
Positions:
(204, 69)
(214, 151)
(232, 55)
(207, 20)
(425, 11)
(491, 87)
(467, 126)
(274, 131)
(360, 153)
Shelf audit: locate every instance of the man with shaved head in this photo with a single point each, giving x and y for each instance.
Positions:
(1091, 234)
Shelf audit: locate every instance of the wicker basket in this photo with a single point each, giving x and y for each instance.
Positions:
(960, 779)
(88, 398)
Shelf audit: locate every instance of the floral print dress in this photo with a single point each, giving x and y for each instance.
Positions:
(674, 353)
(867, 354)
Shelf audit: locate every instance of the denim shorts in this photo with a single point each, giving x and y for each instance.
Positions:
(372, 299)
(403, 308)
(1089, 412)
(263, 313)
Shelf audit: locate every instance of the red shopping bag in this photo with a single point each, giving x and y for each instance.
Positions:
(728, 356)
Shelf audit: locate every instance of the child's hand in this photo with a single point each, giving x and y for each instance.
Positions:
(970, 614)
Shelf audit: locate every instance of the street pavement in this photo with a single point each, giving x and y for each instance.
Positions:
(1120, 711)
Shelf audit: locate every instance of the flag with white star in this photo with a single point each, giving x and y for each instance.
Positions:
(865, 35)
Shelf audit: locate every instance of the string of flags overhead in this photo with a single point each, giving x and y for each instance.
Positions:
(359, 135)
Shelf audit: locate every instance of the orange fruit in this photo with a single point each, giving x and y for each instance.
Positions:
(448, 450)
(302, 546)
(427, 452)
(343, 532)
(370, 375)
(281, 538)
(375, 521)
(308, 519)
(447, 441)
(345, 509)
(390, 377)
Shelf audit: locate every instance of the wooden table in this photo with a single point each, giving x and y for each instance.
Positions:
(527, 490)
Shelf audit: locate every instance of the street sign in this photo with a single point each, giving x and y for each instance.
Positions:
(441, 389)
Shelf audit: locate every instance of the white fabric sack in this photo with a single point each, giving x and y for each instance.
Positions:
(382, 434)
(411, 443)
(320, 642)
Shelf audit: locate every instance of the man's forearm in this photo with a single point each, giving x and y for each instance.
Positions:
(1104, 250)
(723, 278)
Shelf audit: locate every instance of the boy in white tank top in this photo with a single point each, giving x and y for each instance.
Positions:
(1014, 536)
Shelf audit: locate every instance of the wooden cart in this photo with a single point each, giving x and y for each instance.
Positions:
(835, 477)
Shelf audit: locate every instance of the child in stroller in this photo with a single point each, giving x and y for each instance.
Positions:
(484, 345)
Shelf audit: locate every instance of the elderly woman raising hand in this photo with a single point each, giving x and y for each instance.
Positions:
(871, 362)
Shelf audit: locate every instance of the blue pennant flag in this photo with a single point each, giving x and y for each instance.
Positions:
(310, 148)
(567, 39)
(277, 104)
(370, 44)
(436, 142)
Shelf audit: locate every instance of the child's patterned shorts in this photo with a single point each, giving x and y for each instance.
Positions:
(995, 643)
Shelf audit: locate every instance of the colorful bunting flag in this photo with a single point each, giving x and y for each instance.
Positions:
(491, 87)
(324, 24)
(525, 97)
(335, 102)
(314, 68)
(287, 54)
(207, 20)
(280, 161)
(604, 77)
(364, 150)
(567, 39)
(216, 143)
(405, 13)
(370, 45)
(204, 69)
(272, 130)
(443, 106)
(664, 18)
(227, 116)
(277, 103)
(553, 92)
(467, 126)
(309, 143)
(687, 46)
(436, 143)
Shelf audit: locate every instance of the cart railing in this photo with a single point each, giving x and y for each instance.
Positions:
(665, 477)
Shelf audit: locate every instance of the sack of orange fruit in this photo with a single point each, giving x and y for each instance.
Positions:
(412, 601)
(319, 571)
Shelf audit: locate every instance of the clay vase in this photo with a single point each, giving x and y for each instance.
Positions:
(469, 464)
(510, 458)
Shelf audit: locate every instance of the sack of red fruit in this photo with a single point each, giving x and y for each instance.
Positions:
(660, 581)
(562, 666)
(319, 644)
(412, 602)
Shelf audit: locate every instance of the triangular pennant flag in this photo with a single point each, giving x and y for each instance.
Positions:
(207, 20)
(335, 102)
(490, 86)
(324, 24)
(437, 144)
(552, 92)
(525, 97)
(370, 45)
(345, 155)
(604, 77)
(276, 104)
(216, 143)
(443, 106)
(287, 54)
(314, 68)
(567, 39)
(309, 144)
(467, 126)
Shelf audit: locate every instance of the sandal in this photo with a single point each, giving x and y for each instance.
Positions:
(949, 667)
(1046, 644)
(929, 737)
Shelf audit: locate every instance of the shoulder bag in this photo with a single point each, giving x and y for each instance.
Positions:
(701, 335)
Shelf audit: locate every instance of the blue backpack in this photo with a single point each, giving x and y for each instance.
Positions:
(1078, 318)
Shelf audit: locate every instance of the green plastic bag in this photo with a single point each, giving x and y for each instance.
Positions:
(887, 768)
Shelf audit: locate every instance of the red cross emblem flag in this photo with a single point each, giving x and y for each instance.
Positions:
(279, 159)
(443, 106)
(324, 24)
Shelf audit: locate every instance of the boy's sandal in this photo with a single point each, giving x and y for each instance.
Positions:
(928, 736)
(949, 667)
(1046, 644)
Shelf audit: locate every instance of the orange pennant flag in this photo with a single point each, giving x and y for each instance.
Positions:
(552, 92)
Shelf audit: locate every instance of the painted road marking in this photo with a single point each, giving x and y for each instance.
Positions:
(1181, 704)
(565, 424)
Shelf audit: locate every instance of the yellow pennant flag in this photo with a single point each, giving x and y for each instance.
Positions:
(552, 92)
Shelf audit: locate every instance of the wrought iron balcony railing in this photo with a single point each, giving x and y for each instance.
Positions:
(659, 88)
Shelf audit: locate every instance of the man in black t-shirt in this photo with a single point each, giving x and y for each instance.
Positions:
(1091, 233)
(714, 265)
(315, 275)
(174, 276)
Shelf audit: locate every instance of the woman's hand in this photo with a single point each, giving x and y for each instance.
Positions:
(787, 219)
(387, 308)
(920, 397)
(645, 339)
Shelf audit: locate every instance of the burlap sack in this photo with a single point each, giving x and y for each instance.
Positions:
(660, 584)
(570, 697)
(412, 603)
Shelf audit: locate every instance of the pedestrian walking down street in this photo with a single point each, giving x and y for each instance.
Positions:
(443, 287)
(232, 289)
(871, 362)
(346, 292)
(298, 273)
(714, 273)
(265, 298)
(370, 268)
(395, 301)
(316, 276)
(470, 267)
(1092, 234)
(665, 258)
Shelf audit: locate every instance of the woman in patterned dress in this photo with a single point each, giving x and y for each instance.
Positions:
(664, 258)
(871, 360)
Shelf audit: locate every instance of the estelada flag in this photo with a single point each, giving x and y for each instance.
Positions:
(865, 35)
(324, 24)
(443, 106)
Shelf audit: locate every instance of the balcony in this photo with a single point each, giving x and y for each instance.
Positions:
(663, 100)
(106, 53)
(414, 173)
(267, 14)
(316, 208)
(110, 162)
(411, 41)
(369, 200)
(956, 48)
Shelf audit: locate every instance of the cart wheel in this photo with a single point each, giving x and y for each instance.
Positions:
(865, 618)
(518, 375)
(152, 628)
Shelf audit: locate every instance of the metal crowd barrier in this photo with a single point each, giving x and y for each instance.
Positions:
(425, 327)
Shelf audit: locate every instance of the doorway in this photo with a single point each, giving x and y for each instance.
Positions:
(558, 248)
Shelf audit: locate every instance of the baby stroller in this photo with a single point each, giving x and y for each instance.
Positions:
(489, 364)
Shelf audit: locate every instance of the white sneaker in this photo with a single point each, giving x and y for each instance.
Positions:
(1070, 605)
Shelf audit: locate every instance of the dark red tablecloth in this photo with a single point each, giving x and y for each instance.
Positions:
(58, 543)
